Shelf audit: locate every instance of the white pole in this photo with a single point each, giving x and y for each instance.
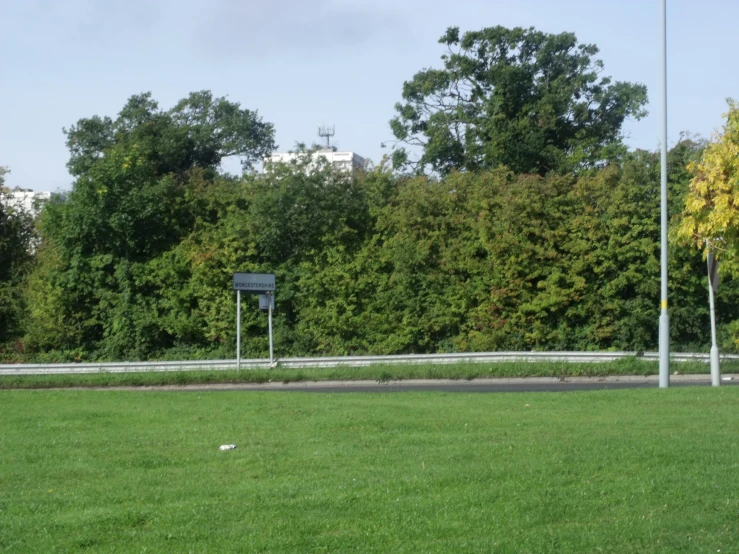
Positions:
(715, 369)
(271, 348)
(664, 318)
(238, 330)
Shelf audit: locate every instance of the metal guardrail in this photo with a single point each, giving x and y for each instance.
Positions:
(346, 361)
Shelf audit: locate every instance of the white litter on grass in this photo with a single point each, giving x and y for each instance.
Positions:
(227, 447)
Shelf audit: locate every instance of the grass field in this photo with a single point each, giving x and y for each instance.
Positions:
(380, 372)
(608, 471)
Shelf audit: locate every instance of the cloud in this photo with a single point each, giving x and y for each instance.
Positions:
(229, 29)
(86, 22)
(264, 27)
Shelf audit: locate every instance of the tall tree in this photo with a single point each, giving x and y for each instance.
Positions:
(133, 199)
(16, 236)
(711, 210)
(532, 101)
(199, 131)
(128, 199)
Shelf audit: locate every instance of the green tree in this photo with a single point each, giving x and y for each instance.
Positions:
(711, 211)
(134, 199)
(494, 261)
(199, 131)
(16, 241)
(289, 221)
(529, 100)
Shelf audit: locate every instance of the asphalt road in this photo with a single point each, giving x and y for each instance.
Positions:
(533, 384)
(493, 387)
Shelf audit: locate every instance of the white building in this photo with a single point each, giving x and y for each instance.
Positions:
(344, 161)
(25, 200)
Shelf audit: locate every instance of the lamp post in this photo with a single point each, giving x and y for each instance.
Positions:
(664, 318)
(712, 290)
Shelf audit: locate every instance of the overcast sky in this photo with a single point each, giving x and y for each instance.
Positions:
(305, 63)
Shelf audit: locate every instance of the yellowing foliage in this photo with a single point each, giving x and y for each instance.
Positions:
(711, 210)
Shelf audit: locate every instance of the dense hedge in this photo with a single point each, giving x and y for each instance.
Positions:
(374, 263)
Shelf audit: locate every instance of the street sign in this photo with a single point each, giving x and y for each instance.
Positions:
(254, 283)
(266, 301)
(713, 271)
(262, 284)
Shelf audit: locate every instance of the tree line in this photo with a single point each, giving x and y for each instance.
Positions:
(508, 216)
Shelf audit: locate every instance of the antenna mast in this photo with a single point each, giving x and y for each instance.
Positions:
(326, 132)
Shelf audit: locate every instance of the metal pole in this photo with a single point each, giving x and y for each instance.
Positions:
(238, 330)
(715, 369)
(271, 347)
(664, 318)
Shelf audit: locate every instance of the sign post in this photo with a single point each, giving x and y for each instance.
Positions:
(271, 342)
(267, 303)
(238, 330)
(254, 283)
(712, 289)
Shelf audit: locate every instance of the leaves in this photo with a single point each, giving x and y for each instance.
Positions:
(711, 211)
(112, 248)
(17, 239)
(199, 132)
(531, 101)
(137, 261)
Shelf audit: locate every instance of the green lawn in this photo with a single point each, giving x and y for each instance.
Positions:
(608, 471)
(379, 372)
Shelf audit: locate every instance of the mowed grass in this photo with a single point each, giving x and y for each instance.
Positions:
(379, 372)
(607, 471)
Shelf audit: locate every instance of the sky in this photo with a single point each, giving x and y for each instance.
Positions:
(304, 63)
